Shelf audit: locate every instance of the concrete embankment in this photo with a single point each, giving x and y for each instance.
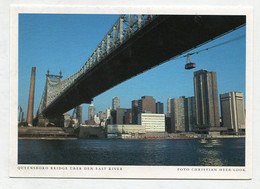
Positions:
(48, 133)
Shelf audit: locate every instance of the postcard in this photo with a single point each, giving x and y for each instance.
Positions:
(131, 93)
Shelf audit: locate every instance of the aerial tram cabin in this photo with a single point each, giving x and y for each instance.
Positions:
(189, 65)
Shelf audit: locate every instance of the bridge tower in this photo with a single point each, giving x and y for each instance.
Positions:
(51, 91)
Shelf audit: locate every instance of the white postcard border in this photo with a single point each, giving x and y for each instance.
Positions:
(100, 171)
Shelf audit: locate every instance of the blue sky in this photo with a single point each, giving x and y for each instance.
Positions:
(65, 41)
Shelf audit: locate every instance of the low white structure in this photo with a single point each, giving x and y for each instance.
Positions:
(125, 131)
(152, 122)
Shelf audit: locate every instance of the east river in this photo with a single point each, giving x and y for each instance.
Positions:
(182, 152)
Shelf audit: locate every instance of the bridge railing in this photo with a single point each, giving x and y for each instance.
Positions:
(125, 27)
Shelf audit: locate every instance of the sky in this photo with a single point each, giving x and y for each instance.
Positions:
(63, 42)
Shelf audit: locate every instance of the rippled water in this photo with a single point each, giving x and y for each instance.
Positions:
(226, 152)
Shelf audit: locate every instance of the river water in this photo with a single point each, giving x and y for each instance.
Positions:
(218, 152)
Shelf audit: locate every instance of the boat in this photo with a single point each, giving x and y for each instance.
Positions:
(203, 141)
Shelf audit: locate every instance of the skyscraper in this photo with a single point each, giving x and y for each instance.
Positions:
(179, 116)
(118, 115)
(128, 116)
(20, 114)
(134, 111)
(159, 107)
(191, 113)
(233, 111)
(168, 106)
(91, 112)
(146, 105)
(108, 116)
(206, 98)
(115, 103)
(108, 113)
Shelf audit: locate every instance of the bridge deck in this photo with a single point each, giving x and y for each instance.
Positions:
(162, 39)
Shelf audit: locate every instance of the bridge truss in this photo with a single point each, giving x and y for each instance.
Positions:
(121, 31)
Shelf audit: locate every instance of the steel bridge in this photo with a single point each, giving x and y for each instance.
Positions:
(134, 44)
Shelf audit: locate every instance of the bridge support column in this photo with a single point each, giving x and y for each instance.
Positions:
(42, 121)
(50, 122)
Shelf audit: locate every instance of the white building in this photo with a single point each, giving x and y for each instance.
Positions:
(125, 131)
(152, 122)
(233, 111)
(96, 119)
(91, 111)
(108, 113)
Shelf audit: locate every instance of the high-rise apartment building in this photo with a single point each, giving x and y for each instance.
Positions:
(206, 98)
(134, 111)
(108, 116)
(91, 112)
(118, 115)
(128, 116)
(20, 114)
(233, 111)
(168, 106)
(179, 116)
(191, 113)
(115, 103)
(108, 113)
(159, 108)
(146, 105)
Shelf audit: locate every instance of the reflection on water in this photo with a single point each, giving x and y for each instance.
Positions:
(217, 152)
(210, 158)
(209, 155)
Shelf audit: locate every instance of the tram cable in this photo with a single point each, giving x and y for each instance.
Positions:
(190, 65)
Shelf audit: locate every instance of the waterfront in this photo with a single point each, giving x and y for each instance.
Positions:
(181, 152)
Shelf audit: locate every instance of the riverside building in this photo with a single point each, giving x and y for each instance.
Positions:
(206, 99)
(191, 113)
(125, 131)
(179, 116)
(233, 111)
(168, 106)
(134, 111)
(146, 104)
(159, 107)
(119, 115)
(152, 122)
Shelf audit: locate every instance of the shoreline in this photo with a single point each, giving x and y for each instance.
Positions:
(168, 138)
